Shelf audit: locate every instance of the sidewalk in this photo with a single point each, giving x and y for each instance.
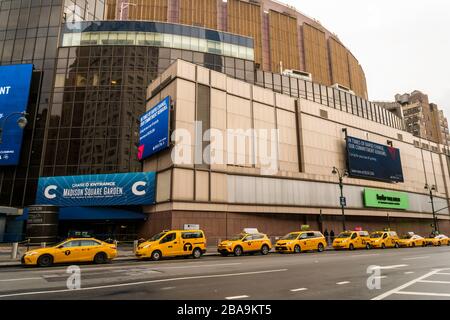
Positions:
(124, 254)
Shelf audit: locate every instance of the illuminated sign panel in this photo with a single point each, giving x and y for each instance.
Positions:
(15, 82)
(374, 161)
(154, 130)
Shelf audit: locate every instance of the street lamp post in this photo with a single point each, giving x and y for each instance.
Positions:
(21, 122)
(341, 177)
(431, 189)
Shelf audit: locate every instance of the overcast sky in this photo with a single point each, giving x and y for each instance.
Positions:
(402, 45)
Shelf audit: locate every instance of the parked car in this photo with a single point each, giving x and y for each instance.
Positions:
(71, 250)
(173, 243)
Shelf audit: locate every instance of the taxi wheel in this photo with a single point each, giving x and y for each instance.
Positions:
(320, 247)
(413, 244)
(383, 246)
(297, 249)
(156, 255)
(224, 254)
(265, 249)
(396, 245)
(368, 246)
(439, 243)
(351, 247)
(45, 260)
(100, 258)
(197, 253)
(238, 251)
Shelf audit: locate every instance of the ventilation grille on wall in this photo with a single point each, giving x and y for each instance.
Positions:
(400, 136)
(324, 113)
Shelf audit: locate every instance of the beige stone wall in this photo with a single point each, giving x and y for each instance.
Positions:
(310, 143)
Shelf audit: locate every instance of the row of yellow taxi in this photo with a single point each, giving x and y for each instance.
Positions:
(173, 243)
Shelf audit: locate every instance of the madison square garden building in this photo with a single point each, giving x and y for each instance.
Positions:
(117, 97)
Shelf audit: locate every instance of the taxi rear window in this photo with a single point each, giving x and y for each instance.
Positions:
(192, 235)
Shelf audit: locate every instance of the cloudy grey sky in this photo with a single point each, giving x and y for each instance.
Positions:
(402, 45)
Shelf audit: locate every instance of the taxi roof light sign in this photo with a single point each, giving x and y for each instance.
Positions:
(251, 230)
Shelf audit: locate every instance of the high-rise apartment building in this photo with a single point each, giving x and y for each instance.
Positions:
(422, 118)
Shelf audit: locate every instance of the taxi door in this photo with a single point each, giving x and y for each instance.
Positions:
(169, 245)
(355, 240)
(89, 249)
(248, 244)
(303, 241)
(313, 241)
(388, 241)
(68, 252)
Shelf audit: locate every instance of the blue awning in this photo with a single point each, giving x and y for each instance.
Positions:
(93, 213)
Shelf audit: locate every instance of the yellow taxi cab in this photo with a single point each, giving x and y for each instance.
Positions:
(249, 241)
(71, 250)
(299, 241)
(384, 239)
(352, 240)
(412, 240)
(173, 243)
(438, 240)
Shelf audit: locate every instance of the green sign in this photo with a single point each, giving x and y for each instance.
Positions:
(378, 198)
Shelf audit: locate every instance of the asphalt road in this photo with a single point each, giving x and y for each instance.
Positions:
(410, 273)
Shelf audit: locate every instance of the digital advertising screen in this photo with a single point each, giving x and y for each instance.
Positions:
(374, 161)
(15, 83)
(154, 130)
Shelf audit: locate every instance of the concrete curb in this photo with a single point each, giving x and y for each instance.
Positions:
(17, 263)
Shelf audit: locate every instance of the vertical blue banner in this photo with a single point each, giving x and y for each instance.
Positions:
(154, 130)
(15, 82)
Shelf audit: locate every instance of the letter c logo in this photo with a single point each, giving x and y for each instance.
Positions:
(47, 193)
(135, 190)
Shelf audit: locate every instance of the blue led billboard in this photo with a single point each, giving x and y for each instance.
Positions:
(15, 82)
(375, 161)
(97, 190)
(154, 130)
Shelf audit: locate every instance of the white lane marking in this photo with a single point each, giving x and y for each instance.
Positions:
(342, 282)
(416, 258)
(365, 255)
(381, 277)
(409, 272)
(144, 282)
(434, 281)
(395, 290)
(299, 289)
(236, 297)
(20, 279)
(444, 273)
(391, 267)
(168, 288)
(424, 293)
(202, 266)
(136, 266)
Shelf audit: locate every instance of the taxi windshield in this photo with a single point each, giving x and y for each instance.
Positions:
(344, 235)
(157, 236)
(376, 235)
(407, 236)
(60, 243)
(290, 236)
(237, 237)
